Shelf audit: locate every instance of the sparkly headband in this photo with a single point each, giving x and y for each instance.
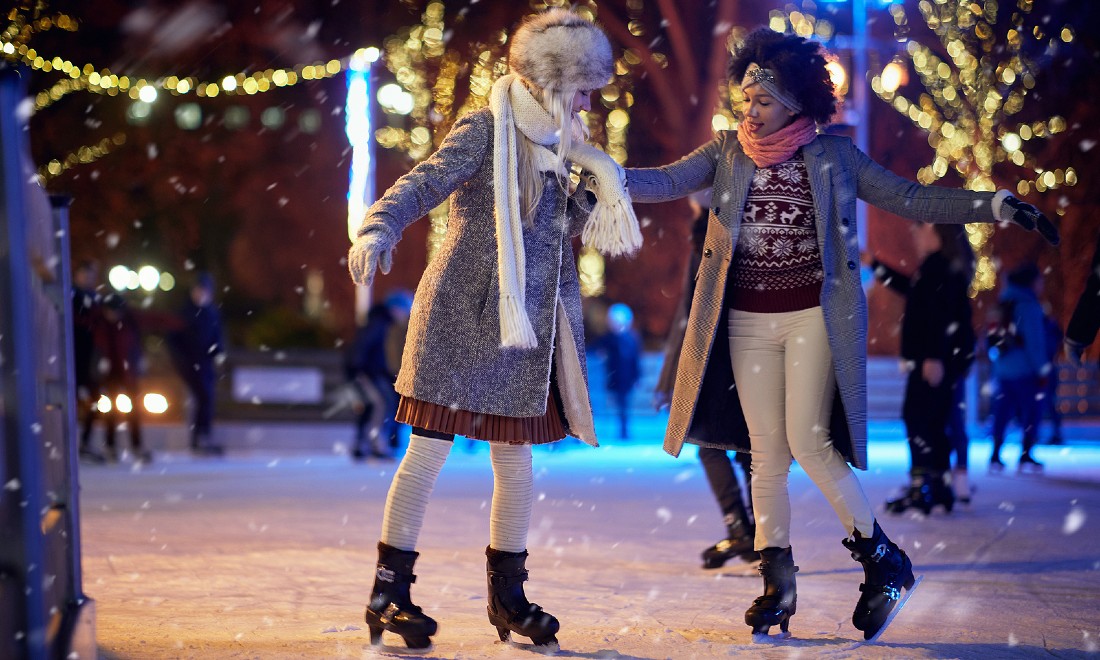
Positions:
(754, 75)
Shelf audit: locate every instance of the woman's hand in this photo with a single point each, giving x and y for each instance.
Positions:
(1028, 217)
(368, 252)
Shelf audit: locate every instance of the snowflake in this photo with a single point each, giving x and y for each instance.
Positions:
(760, 178)
(784, 247)
(789, 173)
(753, 242)
(807, 245)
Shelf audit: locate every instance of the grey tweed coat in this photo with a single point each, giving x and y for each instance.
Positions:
(705, 408)
(452, 353)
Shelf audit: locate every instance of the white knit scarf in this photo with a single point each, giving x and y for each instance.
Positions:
(612, 227)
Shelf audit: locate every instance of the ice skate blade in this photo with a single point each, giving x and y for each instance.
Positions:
(551, 648)
(893, 613)
(765, 638)
(382, 647)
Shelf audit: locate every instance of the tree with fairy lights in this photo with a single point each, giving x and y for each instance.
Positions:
(972, 97)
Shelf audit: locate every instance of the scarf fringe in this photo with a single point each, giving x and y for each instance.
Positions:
(515, 326)
(612, 228)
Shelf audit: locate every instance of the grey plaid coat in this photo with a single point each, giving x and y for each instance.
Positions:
(705, 408)
(452, 353)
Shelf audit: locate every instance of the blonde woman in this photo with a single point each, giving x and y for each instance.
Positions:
(495, 349)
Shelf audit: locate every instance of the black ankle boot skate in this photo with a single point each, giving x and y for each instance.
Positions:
(738, 543)
(391, 606)
(925, 492)
(780, 599)
(916, 496)
(509, 609)
(886, 570)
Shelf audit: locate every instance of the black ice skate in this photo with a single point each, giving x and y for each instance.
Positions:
(738, 543)
(780, 599)
(509, 610)
(391, 606)
(925, 492)
(886, 571)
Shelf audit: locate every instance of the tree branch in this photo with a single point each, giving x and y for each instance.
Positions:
(669, 100)
(678, 39)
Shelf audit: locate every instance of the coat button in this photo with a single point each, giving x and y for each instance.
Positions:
(708, 253)
(851, 265)
(844, 221)
(717, 210)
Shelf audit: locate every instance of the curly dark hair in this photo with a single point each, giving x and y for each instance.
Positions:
(798, 63)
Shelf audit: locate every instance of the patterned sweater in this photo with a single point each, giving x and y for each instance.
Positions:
(777, 265)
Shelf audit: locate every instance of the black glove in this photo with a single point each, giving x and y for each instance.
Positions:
(1030, 218)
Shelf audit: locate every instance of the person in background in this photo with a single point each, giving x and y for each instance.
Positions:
(198, 348)
(395, 349)
(937, 346)
(1048, 401)
(734, 502)
(1020, 365)
(1085, 322)
(86, 302)
(622, 349)
(372, 371)
(119, 361)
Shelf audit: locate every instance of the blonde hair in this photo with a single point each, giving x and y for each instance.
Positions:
(559, 103)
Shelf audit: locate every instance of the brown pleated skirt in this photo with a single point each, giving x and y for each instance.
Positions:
(479, 426)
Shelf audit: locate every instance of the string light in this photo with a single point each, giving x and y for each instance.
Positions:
(15, 47)
(82, 156)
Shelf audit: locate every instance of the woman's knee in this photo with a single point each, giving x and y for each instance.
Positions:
(822, 461)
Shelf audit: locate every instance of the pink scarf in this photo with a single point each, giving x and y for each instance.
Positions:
(780, 145)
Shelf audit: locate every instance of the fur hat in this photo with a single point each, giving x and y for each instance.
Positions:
(560, 50)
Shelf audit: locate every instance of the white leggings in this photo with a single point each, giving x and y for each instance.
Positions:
(784, 373)
(513, 486)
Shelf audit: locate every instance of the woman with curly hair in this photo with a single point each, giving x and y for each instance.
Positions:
(775, 348)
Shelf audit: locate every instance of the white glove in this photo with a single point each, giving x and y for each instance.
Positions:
(368, 252)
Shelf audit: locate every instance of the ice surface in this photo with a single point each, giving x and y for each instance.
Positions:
(271, 555)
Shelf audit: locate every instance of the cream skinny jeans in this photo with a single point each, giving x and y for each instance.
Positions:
(784, 373)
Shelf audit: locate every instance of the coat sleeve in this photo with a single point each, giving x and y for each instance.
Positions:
(1085, 323)
(426, 186)
(882, 188)
(693, 172)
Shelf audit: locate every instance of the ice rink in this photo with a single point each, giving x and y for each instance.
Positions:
(270, 554)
